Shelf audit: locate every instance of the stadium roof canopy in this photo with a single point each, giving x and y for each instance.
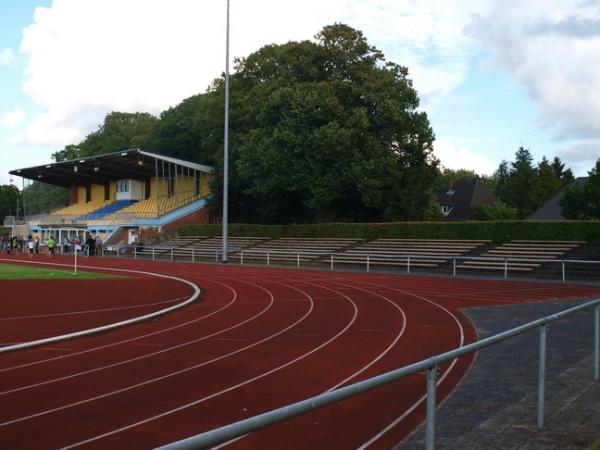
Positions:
(127, 164)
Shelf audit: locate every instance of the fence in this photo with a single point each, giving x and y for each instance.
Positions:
(368, 263)
(430, 365)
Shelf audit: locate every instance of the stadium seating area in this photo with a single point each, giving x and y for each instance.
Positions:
(507, 255)
(81, 209)
(108, 209)
(198, 247)
(398, 252)
(290, 250)
(386, 254)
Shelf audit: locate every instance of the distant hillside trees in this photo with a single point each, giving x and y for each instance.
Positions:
(583, 201)
(320, 131)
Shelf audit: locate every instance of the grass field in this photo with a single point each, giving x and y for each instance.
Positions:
(18, 272)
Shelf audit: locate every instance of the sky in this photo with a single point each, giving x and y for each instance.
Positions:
(492, 75)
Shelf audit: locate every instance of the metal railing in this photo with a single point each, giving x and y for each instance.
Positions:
(429, 365)
(409, 262)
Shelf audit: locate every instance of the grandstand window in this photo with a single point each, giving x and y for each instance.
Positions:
(107, 191)
(123, 186)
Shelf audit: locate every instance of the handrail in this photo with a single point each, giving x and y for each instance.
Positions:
(243, 427)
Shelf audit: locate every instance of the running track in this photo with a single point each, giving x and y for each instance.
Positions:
(258, 339)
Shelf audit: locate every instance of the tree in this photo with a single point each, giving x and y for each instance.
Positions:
(583, 201)
(521, 184)
(118, 132)
(495, 211)
(445, 176)
(499, 181)
(328, 130)
(548, 181)
(9, 197)
(565, 176)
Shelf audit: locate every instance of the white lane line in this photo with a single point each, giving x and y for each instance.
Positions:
(395, 422)
(112, 326)
(125, 341)
(361, 370)
(162, 377)
(231, 388)
(90, 311)
(141, 357)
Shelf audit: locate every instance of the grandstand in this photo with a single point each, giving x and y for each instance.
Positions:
(122, 196)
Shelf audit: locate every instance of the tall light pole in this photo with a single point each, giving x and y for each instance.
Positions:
(226, 144)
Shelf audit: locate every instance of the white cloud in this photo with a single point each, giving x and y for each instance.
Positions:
(551, 47)
(6, 57)
(453, 157)
(85, 59)
(12, 119)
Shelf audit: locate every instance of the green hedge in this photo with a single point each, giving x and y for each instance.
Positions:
(500, 231)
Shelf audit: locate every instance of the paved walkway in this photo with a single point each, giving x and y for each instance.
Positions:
(495, 405)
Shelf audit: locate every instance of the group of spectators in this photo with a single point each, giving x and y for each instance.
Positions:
(91, 246)
(19, 244)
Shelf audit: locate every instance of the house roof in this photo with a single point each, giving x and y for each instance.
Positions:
(132, 163)
(463, 197)
(551, 210)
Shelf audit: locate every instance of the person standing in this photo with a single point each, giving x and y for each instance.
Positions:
(51, 246)
(30, 246)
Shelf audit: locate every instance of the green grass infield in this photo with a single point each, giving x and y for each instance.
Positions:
(19, 272)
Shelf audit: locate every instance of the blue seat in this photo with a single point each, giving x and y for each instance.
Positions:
(108, 209)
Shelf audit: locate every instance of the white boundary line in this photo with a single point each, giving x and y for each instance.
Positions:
(111, 326)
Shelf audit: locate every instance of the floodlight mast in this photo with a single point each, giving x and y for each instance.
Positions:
(226, 145)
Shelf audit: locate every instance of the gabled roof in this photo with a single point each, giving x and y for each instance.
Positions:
(463, 196)
(132, 163)
(551, 210)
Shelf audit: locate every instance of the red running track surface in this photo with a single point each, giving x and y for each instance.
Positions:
(258, 339)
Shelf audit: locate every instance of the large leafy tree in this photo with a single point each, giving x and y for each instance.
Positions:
(328, 130)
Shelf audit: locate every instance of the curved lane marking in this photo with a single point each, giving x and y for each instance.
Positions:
(231, 388)
(125, 341)
(90, 311)
(111, 326)
(141, 357)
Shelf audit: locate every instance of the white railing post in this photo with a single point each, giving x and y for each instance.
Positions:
(268, 259)
(152, 253)
(454, 266)
(408, 264)
(171, 254)
(242, 258)
(134, 252)
(541, 377)
(564, 278)
(193, 255)
(431, 394)
(298, 259)
(331, 262)
(505, 268)
(368, 263)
